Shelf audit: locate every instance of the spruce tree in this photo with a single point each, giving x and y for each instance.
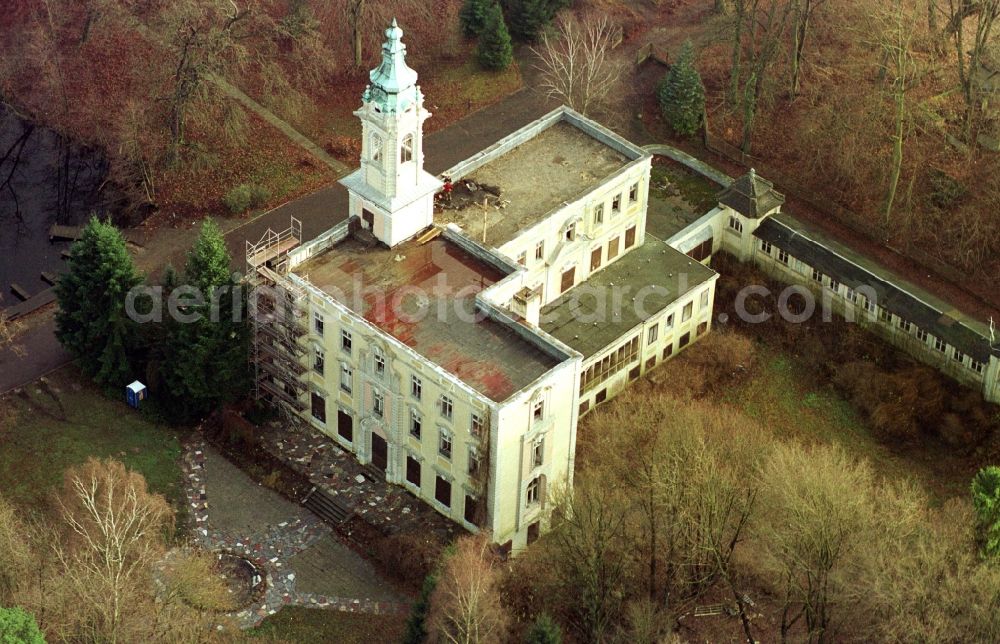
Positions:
(207, 357)
(544, 631)
(91, 322)
(18, 626)
(986, 501)
(416, 624)
(495, 50)
(474, 16)
(529, 17)
(682, 95)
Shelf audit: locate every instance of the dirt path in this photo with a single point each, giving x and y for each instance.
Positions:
(294, 135)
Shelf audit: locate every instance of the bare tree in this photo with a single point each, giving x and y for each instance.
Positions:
(466, 606)
(758, 31)
(576, 63)
(986, 13)
(801, 18)
(894, 31)
(114, 532)
(820, 517)
(16, 556)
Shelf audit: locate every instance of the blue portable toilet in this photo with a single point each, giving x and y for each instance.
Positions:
(134, 393)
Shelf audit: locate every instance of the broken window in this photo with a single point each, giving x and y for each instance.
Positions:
(540, 250)
(442, 492)
(318, 360)
(444, 443)
(616, 204)
(406, 152)
(447, 407)
(538, 452)
(346, 376)
(345, 425)
(378, 403)
(319, 407)
(633, 193)
(318, 324)
(416, 422)
(473, 461)
(416, 387)
(534, 491)
(471, 508)
(412, 471)
(538, 410)
(570, 232)
(379, 363)
(476, 426)
(346, 341)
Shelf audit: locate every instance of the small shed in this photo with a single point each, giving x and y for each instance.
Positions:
(135, 393)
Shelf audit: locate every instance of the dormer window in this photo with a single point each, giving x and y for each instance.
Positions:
(376, 147)
(406, 152)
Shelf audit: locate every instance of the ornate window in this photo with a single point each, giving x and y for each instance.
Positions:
(376, 147)
(379, 362)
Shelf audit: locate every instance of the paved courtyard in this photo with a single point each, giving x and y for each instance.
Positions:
(304, 563)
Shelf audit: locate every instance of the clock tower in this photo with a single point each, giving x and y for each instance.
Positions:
(391, 193)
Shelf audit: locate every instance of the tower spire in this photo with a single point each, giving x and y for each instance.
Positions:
(393, 84)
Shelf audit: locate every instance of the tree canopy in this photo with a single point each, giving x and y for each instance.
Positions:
(495, 51)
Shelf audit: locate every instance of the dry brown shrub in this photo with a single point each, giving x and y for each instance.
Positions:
(194, 578)
(408, 557)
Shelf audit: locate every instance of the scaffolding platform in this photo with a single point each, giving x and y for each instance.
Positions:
(278, 319)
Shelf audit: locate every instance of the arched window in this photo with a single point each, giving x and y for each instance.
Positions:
(376, 147)
(406, 152)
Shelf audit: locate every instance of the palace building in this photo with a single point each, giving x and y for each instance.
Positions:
(451, 331)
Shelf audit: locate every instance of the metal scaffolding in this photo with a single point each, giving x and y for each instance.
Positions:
(278, 319)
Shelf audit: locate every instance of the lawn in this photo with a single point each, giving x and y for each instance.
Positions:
(296, 624)
(58, 422)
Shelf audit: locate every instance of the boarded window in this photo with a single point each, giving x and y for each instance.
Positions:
(612, 249)
(567, 279)
(595, 259)
(702, 328)
(630, 237)
(668, 351)
(685, 339)
(601, 396)
(633, 373)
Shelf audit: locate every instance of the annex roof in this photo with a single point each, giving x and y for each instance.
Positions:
(751, 195)
(531, 173)
(424, 296)
(646, 280)
(894, 294)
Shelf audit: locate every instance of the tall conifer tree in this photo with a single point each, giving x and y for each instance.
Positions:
(495, 50)
(207, 357)
(91, 322)
(682, 95)
(474, 16)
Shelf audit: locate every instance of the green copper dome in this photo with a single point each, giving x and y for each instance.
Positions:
(393, 85)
